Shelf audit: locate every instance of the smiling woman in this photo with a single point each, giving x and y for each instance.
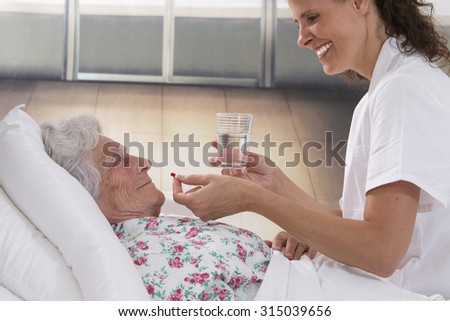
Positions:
(352, 46)
(394, 214)
(363, 28)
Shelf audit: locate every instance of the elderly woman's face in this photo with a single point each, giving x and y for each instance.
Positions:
(126, 189)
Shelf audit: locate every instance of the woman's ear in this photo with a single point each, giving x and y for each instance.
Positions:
(361, 6)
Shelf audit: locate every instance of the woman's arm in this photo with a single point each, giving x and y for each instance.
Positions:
(377, 244)
(288, 189)
(263, 171)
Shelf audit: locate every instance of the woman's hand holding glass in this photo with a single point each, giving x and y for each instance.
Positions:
(207, 200)
(260, 170)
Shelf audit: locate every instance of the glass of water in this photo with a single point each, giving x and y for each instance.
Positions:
(233, 136)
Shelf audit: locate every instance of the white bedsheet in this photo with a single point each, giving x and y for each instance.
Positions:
(325, 279)
(6, 295)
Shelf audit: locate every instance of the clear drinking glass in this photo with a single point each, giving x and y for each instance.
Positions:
(233, 136)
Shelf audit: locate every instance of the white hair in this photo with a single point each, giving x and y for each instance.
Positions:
(70, 143)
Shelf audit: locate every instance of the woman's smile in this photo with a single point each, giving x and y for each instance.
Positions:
(323, 50)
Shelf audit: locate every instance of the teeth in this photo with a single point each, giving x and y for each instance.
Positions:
(322, 50)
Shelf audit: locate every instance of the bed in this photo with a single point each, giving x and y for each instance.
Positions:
(55, 244)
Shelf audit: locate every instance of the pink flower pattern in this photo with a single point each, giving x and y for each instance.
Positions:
(140, 260)
(193, 232)
(237, 281)
(152, 223)
(176, 263)
(150, 289)
(221, 293)
(176, 296)
(183, 258)
(178, 248)
(141, 245)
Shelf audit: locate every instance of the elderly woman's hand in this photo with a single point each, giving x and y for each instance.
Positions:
(292, 248)
(215, 196)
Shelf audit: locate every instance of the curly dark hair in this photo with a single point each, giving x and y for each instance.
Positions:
(413, 21)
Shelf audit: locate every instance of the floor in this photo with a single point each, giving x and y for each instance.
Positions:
(151, 116)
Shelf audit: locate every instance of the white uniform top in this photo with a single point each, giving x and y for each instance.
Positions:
(401, 131)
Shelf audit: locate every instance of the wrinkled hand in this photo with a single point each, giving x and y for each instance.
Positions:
(214, 196)
(293, 249)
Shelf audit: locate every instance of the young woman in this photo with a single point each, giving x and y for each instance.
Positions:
(394, 219)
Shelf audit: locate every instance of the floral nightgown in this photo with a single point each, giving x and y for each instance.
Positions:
(183, 258)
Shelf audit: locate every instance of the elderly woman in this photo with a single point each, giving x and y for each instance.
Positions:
(179, 258)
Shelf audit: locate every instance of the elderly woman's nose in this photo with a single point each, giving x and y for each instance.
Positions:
(143, 164)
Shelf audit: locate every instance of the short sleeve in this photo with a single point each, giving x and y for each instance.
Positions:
(409, 130)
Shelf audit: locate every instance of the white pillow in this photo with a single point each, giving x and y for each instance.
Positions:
(31, 267)
(57, 204)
